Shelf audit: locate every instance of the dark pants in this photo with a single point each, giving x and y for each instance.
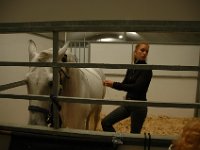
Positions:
(137, 114)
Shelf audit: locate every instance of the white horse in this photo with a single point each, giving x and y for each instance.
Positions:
(76, 82)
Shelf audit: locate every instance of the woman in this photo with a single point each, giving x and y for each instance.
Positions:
(135, 83)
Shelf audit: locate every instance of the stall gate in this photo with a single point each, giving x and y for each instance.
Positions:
(15, 137)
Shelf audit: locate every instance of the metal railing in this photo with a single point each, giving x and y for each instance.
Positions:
(56, 27)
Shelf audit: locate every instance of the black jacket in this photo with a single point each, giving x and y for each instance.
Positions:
(135, 83)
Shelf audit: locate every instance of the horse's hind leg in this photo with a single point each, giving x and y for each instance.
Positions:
(97, 116)
(88, 120)
(93, 117)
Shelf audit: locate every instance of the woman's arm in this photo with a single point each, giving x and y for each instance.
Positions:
(141, 82)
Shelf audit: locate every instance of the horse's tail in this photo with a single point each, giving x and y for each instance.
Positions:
(93, 117)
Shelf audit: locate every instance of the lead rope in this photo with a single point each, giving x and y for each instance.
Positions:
(50, 117)
(54, 101)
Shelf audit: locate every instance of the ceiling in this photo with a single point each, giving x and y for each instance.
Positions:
(183, 38)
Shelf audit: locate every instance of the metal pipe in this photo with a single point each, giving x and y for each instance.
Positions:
(85, 135)
(79, 50)
(12, 85)
(102, 65)
(84, 46)
(102, 26)
(104, 101)
(54, 91)
(197, 111)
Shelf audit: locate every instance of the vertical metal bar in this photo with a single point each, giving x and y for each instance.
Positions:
(197, 111)
(89, 52)
(66, 36)
(75, 50)
(55, 79)
(84, 48)
(79, 51)
(125, 36)
(132, 51)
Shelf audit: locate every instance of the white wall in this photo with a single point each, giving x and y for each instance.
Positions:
(14, 47)
(112, 54)
(166, 86)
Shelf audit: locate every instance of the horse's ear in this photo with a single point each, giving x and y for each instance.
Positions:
(32, 49)
(62, 51)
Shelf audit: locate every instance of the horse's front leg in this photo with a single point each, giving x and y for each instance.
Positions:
(74, 115)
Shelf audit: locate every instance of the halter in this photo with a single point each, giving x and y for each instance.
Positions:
(61, 71)
(54, 98)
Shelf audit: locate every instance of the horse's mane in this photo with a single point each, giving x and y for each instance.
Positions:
(71, 57)
(46, 54)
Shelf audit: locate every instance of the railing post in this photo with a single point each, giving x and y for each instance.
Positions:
(197, 110)
(54, 92)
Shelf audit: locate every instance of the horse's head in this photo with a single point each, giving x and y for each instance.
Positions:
(39, 79)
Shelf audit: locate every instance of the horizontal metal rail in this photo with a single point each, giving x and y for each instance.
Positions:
(103, 101)
(12, 85)
(86, 135)
(102, 65)
(90, 100)
(102, 26)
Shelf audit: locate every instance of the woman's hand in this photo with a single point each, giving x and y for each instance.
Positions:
(108, 83)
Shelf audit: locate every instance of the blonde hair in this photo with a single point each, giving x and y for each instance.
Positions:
(137, 46)
(140, 43)
(190, 137)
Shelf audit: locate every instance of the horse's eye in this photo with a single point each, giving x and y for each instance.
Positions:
(64, 59)
(50, 84)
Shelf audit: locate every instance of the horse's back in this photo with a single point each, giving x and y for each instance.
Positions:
(94, 77)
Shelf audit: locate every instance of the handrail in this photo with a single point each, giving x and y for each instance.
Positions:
(12, 85)
(102, 26)
(87, 135)
(103, 65)
(103, 101)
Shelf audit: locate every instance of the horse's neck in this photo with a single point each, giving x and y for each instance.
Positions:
(95, 72)
(83, 82)
(73, 85)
